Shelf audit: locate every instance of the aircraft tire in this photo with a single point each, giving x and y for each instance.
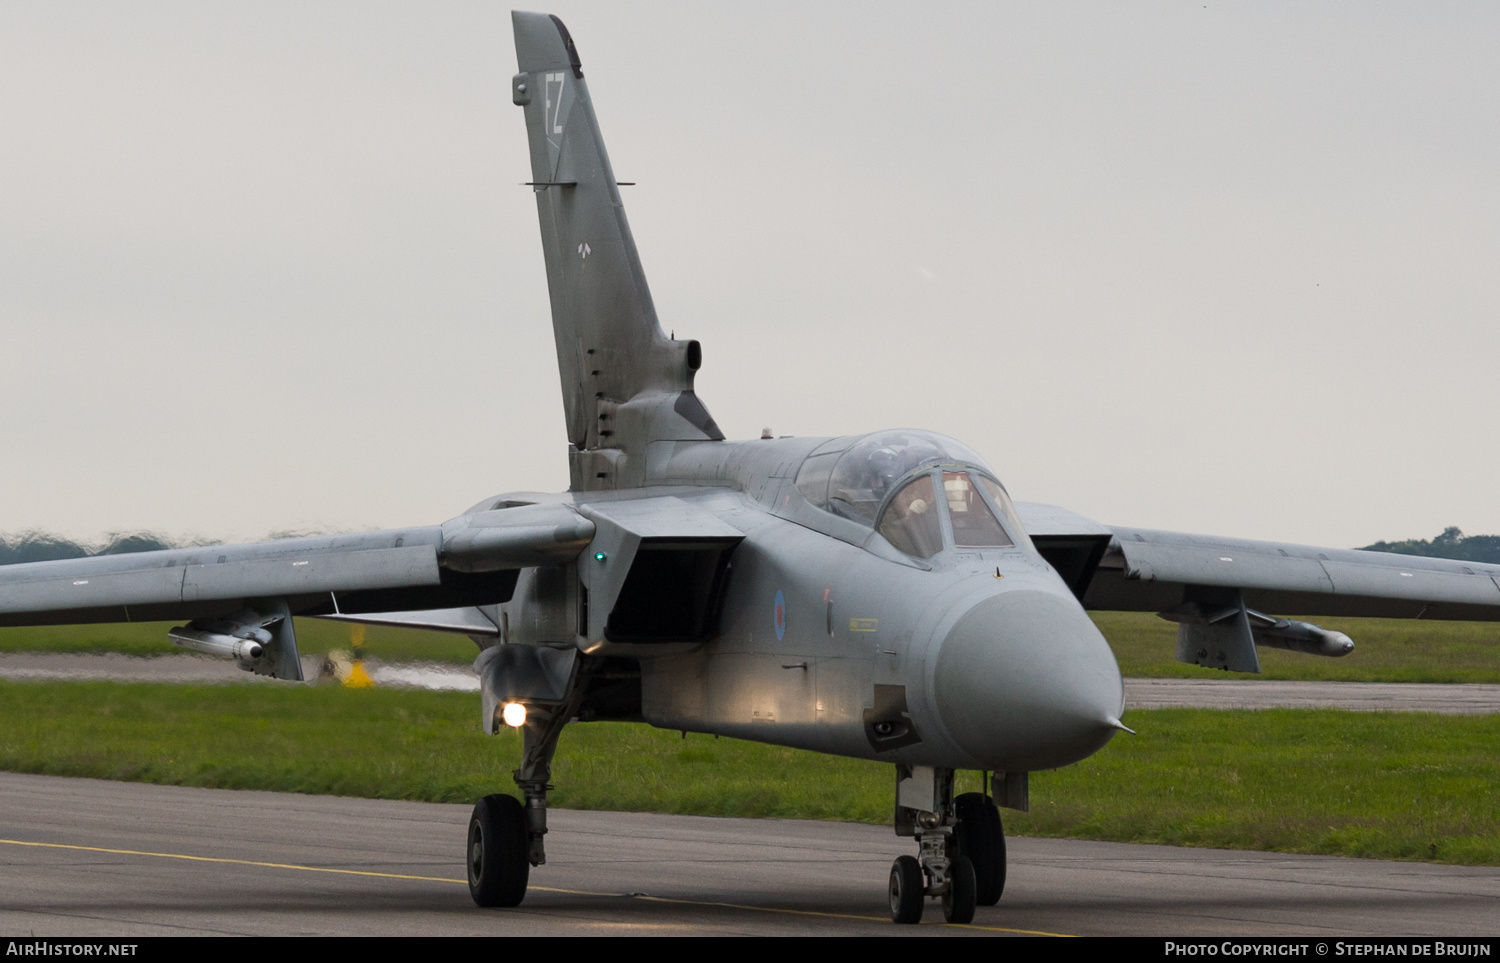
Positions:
(981, 838)
(498, 859)
(908, 890)
(958, 901)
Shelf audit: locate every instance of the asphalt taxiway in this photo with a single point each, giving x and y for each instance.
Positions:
(84, 857)
(1447, 698)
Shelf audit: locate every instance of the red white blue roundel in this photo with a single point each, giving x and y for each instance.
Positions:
(778, 616)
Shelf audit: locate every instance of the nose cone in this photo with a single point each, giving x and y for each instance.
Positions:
(1025, 681)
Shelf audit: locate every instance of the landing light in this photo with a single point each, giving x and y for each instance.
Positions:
(514, 715)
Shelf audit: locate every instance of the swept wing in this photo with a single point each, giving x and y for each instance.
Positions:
(468, 561)
(1220, 590)
(1144, 570)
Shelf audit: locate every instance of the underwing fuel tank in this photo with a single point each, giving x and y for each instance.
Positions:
(1024, 681)
(245, 647)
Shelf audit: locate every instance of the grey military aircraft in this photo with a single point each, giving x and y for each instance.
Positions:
(876, 596)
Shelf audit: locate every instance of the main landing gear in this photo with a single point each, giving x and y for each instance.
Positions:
(498, 861)
(505, 837)
(961, 848)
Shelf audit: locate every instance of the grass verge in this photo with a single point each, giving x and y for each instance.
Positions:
(1397, 785)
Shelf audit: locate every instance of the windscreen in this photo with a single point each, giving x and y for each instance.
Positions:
(853, 483)
(910, 521)
(1001, 499)
(974, 525)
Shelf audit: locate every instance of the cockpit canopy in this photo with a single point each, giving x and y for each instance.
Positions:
(889, 481)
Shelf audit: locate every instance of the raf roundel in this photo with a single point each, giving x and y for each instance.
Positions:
(778, 616)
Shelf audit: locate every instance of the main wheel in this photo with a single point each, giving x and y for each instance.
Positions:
(980, 837)
(908, 890)
(958, 901)
(499, 861)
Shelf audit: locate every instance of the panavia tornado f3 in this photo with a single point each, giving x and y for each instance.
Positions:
(878, 596)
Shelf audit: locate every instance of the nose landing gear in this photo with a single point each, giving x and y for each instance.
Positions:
(961, 848)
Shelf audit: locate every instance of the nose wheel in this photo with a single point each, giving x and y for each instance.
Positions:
(958, 898)
(908, 890)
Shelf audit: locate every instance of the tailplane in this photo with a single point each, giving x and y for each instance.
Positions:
(625, 384)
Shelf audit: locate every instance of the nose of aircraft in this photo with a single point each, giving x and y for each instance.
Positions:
(1024, 681)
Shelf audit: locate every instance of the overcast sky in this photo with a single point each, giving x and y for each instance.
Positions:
(1230, 268)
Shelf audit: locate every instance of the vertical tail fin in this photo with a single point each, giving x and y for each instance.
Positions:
(624, 383)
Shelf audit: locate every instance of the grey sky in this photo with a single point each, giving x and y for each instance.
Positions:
(1223, 268)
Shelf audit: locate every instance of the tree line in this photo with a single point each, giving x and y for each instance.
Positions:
(1451, 544)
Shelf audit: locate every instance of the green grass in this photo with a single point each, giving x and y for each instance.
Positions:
(314, 636)
(1385, 650)
(1392, 785)
(1388, 785)
(402, 744)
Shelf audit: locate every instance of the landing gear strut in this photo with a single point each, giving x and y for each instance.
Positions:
(961, 848)
(506, 836)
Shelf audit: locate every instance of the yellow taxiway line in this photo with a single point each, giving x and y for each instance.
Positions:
(542, 889)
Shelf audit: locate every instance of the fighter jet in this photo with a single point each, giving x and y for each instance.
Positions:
(877, 596)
